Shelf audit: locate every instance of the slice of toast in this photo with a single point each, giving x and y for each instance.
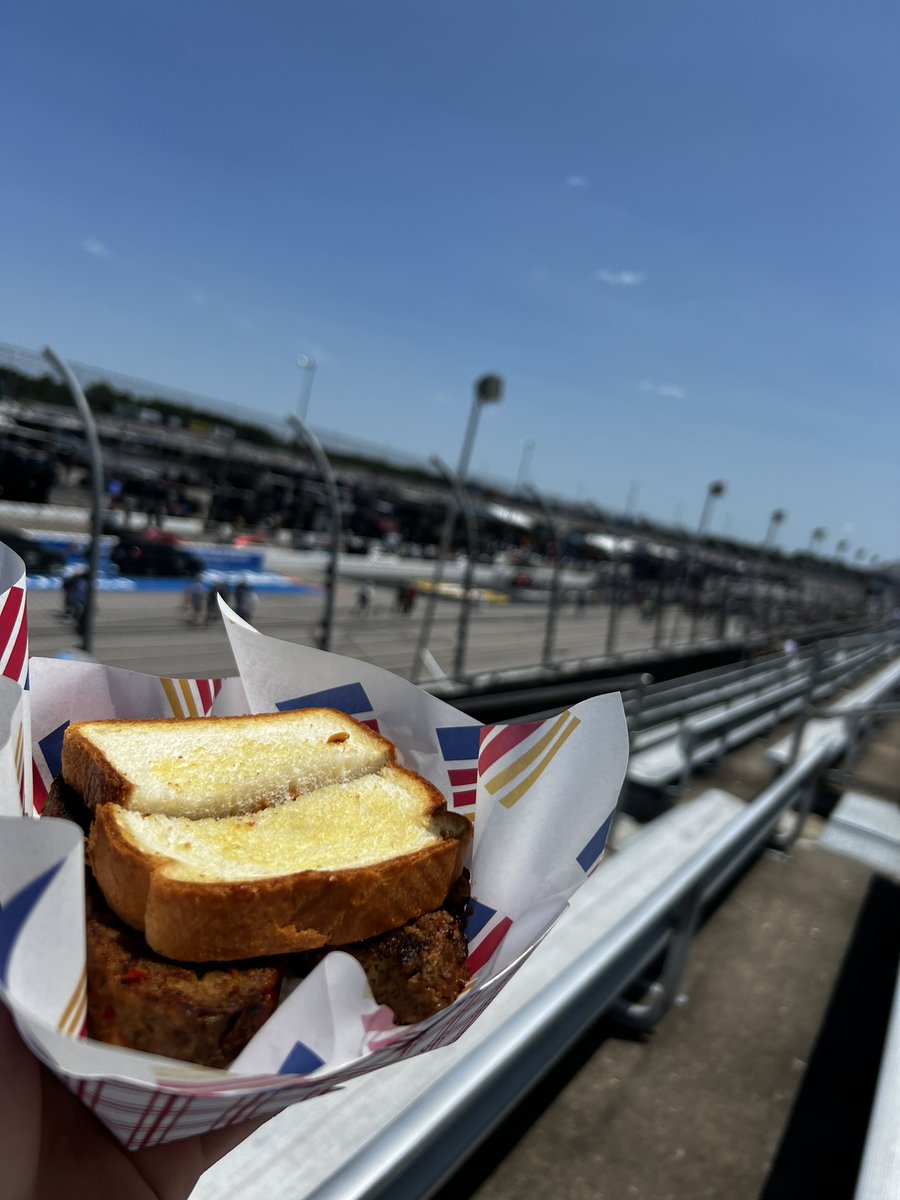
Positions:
(343, 863)
(217, 766)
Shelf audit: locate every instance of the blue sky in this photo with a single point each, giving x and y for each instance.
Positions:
(671, 227)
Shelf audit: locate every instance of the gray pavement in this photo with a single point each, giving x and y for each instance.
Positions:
(149, 631)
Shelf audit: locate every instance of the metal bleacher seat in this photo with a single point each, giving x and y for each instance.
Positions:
(720, 711)
(705, 738)
(853, 711)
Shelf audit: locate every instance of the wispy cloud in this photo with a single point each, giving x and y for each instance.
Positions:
(671, 390)
(199, 297)
(92, 245)
(576, 181)
(620, 278)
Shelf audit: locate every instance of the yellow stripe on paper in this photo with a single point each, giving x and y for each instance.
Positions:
(190, 702)
(73, 1013)
(181, 697)
(172, 696)
(527, 758)
(518, 792)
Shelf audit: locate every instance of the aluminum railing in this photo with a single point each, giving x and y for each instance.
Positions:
(419, 1150)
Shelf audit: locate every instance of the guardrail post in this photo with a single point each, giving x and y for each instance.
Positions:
(783, 839)
(687, 740)
(815, 670)
(643, 1016)
(640, 695)
(612, 620)
(661, 605)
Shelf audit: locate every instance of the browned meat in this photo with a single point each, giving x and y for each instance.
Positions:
(139, 1000)
(416, 970)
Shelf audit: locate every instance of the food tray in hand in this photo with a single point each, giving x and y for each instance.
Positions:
(541, 795)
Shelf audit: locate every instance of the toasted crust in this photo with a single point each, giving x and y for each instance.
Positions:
(87, 769)
(219, 921)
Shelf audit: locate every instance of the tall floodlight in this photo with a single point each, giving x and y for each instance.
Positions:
(777, 518)
(96, 460)
(713, 492)
(488, 390)
(308, 366)
(463, 505)
(300, 427)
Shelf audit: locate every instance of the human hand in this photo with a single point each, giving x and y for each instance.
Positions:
(52, 1147)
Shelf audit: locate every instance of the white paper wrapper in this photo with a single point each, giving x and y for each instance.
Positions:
(541, 794)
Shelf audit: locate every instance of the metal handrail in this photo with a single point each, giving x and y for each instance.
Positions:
(427, 1142)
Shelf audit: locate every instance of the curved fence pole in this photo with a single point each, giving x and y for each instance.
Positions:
(96, 458)
(315, 448)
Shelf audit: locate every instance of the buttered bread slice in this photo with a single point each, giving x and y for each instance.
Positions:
(343, 863)
(217, 766)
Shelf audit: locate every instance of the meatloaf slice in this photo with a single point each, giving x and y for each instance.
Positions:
(416, 970)
(200, 1014)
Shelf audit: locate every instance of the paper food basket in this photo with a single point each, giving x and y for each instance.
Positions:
(541, 794)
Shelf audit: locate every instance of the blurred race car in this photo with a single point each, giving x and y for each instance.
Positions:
(154, 553)
(38, 559)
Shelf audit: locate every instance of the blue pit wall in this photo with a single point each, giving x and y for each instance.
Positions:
(228, 564)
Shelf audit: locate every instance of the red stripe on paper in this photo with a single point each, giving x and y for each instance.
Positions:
(146, 1139)
(485, 948)
(16, 660)
(504, 741)
(38, 788)
(9, 613)
(462, 799)
(463, 775)
(205, 692)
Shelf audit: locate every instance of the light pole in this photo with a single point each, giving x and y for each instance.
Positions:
(488, 390)
(553, 606)
(777, 518)
(334, 497)
(308, 367)
(713, 492)
(463, 504)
